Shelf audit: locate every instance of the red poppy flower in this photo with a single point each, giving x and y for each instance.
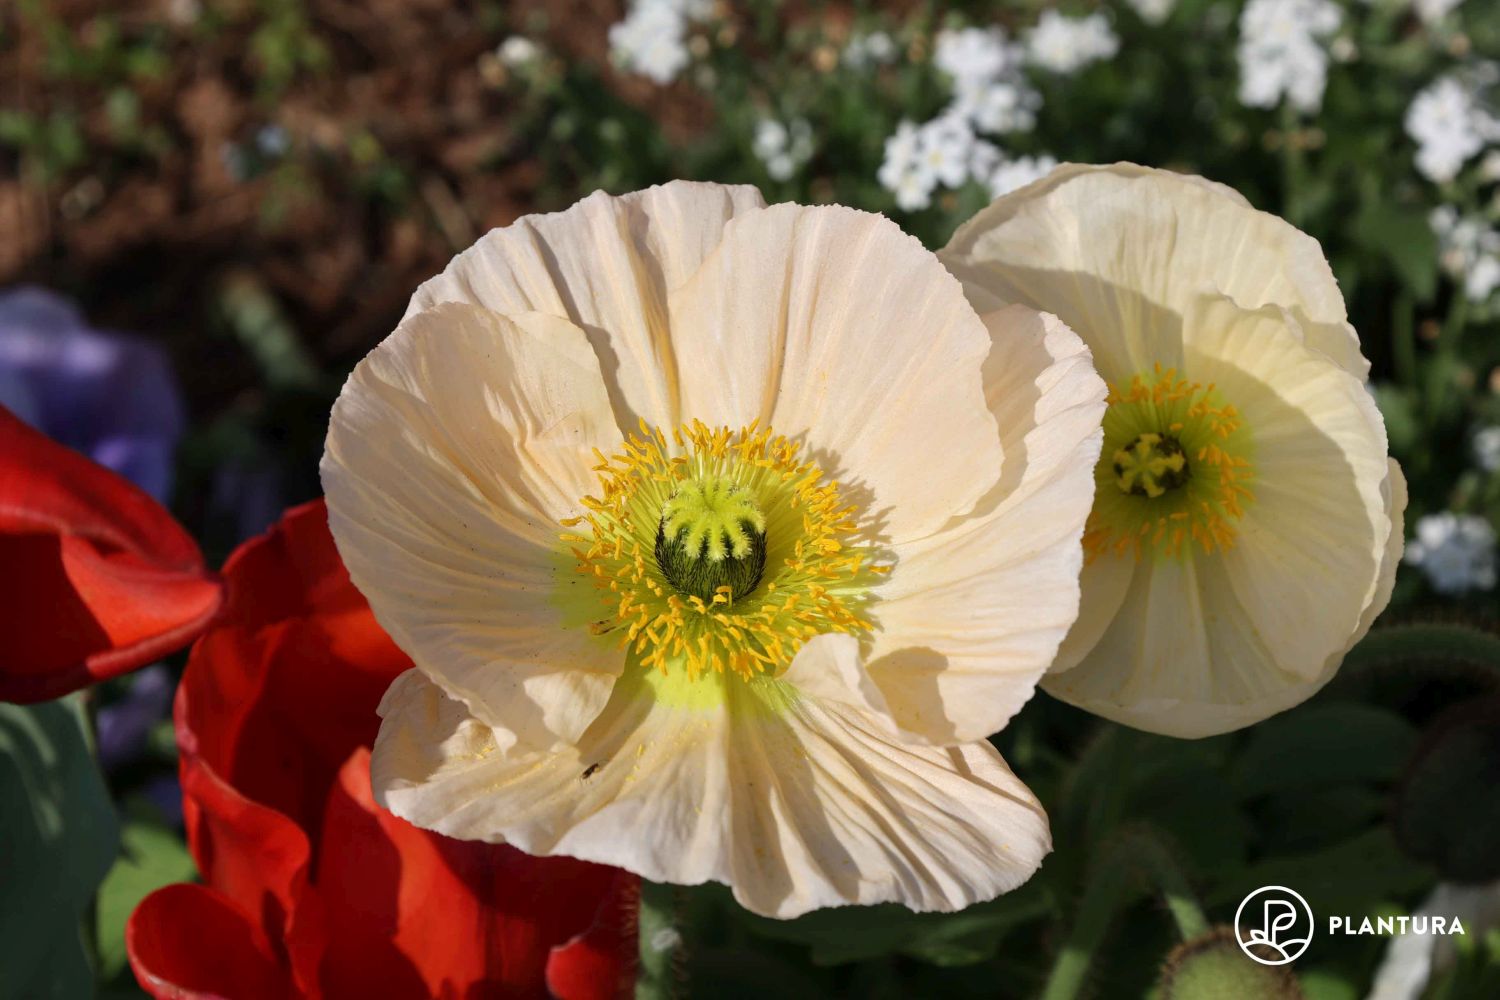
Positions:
(98, 578)
(311, 890)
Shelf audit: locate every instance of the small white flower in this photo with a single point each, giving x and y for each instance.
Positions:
(1489, 167)
(1468, 251)
(783, 148)
(996, 106)
(1487, 448)
(1483, 278)
(946, 143)
(974, 53)
(903, 173)
(1281, 54)
(1019, 172)
(913, 190)
(1456, 551)
(984, 158)
(1448, 126)
(1153, 11)
(1066, 44)
(651, 41)
(875, 48)
(517, 51)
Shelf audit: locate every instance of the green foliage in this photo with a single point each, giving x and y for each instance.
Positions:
(151, 856)
(58, 835)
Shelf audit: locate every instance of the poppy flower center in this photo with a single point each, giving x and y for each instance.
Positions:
(1174, 471)
(712, 539)
(714, 550)
(1150, 465)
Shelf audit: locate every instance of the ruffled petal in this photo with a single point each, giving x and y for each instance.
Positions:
(834, 327)
(454, 453)
(972, 616)
(99, 577)
(794, 802)
(606, 265)
(1072, 244)
(188, 942)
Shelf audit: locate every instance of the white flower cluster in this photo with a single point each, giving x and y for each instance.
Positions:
(1450, 124)
(1456, 551)
(1067, 44)
(652, 40)
(874, 48)
(990, 89)
(1282, 53)
(991, 96)
(783, 147)
(1469, 251)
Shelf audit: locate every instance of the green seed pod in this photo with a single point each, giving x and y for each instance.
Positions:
(1212, 967)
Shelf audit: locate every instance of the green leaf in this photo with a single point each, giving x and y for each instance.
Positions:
(858, 933)
(1401, 425)
(151, 856)
(57, 838)
(1404, 238)
(1353, 876)
(1323, 745)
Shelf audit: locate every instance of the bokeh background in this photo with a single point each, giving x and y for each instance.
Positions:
(210, 209)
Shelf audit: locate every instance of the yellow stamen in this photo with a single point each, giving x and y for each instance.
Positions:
(707, 486)
(1174, 471)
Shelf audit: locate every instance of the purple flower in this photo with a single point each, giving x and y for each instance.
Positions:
(124, 726)
(110, 396)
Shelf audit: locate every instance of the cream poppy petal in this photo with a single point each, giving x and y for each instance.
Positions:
(1153, 667)
(972, 616)
(1103, 584)
(1395, 509)
(1321, 491)
(606, 264)
(829, 668)
(834, 327)
(1196, 700)
(1072, 244)
(795, 804)
(453, 453)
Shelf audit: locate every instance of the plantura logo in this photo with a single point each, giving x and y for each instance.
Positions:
(1274, 925)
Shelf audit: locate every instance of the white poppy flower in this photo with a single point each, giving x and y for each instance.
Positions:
(720, 537)
(1247, 521)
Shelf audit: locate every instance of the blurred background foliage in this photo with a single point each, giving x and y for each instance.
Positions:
(257, 186)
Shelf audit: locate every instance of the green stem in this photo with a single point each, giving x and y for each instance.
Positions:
(1404, 337)
(1135, 856)
(660, 942)
(1291, 165)
(1453, 323)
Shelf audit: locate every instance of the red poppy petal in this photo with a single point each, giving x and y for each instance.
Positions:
(442, 917)
(98, 578)
(291, 571)
(251, 853)
(188, 942)
(599, 964)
